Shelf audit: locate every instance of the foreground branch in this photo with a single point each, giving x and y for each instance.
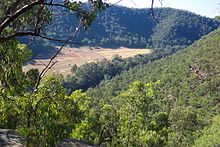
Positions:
(33, 34)
(24, 9)
(50, 63)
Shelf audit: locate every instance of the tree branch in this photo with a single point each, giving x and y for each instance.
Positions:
(64, 6)
(24, 9)
(48, 66)
(152, 8)
(20, 34)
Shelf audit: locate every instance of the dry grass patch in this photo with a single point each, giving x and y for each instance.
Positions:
(79, 56)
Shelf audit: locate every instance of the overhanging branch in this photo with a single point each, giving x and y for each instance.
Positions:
(20, 34)
(21, 11)
(50, 63)
(64, 6)
(24, 9)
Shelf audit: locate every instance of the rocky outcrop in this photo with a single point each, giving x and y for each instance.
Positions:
(74, 143)
(8, 138)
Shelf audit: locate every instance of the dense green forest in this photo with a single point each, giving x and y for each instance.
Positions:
(150, 100)
(171, 102)
(91, 74)
(171, 30)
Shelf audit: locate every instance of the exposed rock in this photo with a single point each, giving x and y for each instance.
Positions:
(8, 138)
(74, 143)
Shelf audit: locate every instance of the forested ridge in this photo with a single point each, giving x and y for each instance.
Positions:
(183, 106)
(171, 30)
(203, 54)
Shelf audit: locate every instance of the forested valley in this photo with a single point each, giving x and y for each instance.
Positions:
(117, 26)
(170, 31)
(169, 97)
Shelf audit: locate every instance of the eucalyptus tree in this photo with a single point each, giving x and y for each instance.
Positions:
(37, 107)
(41, 113)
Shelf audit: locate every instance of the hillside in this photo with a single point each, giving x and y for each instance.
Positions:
(172, 29)
(202, 55)
(185, 92)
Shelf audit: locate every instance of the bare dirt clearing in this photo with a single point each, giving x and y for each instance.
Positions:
(79, 56)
